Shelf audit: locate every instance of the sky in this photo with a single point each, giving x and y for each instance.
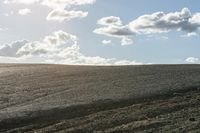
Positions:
(100, 32)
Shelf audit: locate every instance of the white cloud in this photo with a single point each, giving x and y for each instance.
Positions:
(113, 27)
(61, 15)
(3, 29)
(61, 48)
(190, 34)
(126, 41)
(21, 1)
(112, 20)
(106, 42)
(58, 4)
(158, 23)
(49, 46)
(195, 19)
(24, 11)
(192, 60)
(114, 31)
(126, 62)
(72, 55)
(10, 50)
(121, 32)
(52, 3)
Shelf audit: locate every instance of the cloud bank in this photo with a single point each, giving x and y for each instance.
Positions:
(52, 3)
(61, 15)
(192, 60)
(60, 48)
(158, 22)
(58, 7)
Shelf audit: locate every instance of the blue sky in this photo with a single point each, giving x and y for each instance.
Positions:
(107, 32)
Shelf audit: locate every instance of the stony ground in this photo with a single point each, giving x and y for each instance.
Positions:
(57, 98)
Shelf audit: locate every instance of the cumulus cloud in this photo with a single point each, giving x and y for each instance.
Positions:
(52, 3)
(60, 47)
(49, 46)
(61, 15)
(106, 42)
(21, 1)
(112, 20)
(158, 22)
(190, 34)
(24, 11)
(10, 50)
(161, 22)
(195, 19)
(121, 32)
(126, 41)
(65, 3)
(113, 27)
(72, 55)
(114, 31)
(192, 60)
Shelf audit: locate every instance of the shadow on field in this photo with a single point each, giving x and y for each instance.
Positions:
(43, 118)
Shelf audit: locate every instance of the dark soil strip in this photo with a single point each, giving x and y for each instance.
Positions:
(47, 117)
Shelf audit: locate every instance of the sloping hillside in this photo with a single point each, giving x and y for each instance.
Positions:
(52, 98)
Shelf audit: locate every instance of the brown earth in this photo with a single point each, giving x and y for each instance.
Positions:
(58, 98)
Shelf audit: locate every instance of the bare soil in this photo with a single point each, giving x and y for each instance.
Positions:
(102, 99)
